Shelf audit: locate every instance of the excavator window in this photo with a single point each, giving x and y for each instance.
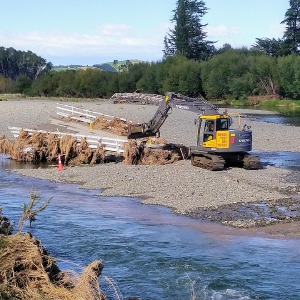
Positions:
(209, 130)
(207, 137)
(222, 124)
(209, 125)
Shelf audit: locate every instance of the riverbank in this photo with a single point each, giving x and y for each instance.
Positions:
(28, 272)
(234, 197)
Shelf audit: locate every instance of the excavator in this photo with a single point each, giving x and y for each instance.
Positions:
(217, 143)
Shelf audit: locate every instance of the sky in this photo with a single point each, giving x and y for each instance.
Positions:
(87, 32)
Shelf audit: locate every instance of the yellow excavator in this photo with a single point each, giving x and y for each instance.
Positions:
(217, 142)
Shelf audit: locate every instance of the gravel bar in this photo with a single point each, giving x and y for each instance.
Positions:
(179, 186)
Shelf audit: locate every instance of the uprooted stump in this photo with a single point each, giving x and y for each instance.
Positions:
(42, 147)
(28, 272)
(141, 155)
(131, 153)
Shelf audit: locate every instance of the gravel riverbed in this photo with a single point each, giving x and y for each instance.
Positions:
(180, 186)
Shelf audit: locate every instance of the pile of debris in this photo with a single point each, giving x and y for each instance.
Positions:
(41, 147)
(137, 97)
(116, 125)
(28, 272)
(45, 147)
(135, 154)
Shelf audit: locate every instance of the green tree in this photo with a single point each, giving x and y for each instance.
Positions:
(226, 47)
(14, 63)
(227, 75)
(65, 84)
(272, 47)
(148, 82)
(264, 74)
(23, 83)
(289, 76)
(183, 76)
(292, 22)
(7, 85)
(188, 36)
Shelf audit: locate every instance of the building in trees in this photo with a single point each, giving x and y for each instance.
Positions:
(188, 37)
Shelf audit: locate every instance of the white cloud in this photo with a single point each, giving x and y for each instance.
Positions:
(113, 29)
(109, 40)
(222, 31)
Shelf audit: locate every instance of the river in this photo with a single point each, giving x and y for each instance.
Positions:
(150, 253)
(282, 115)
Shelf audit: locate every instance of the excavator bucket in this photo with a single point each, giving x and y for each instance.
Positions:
(135, 131)
(152, 127)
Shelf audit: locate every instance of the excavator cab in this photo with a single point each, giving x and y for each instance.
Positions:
(212, 131)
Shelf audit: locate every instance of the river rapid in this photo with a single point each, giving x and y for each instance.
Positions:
(147, 251)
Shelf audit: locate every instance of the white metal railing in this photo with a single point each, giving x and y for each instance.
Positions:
(108, 144)
(79, 114)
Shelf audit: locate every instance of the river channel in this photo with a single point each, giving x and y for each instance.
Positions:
(147, 251)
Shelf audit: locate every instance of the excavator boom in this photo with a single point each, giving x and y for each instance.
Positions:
(170, 101)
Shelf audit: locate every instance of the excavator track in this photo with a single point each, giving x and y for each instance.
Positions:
(208, 161)
(251, 162)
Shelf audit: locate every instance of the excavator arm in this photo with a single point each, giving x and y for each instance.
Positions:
(170, 101)
(152, 127)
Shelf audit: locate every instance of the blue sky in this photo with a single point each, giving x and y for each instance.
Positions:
(97, 31)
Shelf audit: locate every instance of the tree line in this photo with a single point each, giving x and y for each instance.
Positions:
(231, 74)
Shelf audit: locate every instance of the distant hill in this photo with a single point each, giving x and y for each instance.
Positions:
(117, 65)
(67, 67)
(114, 66)
(106, 67)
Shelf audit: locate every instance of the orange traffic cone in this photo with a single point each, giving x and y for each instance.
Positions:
(60, 167)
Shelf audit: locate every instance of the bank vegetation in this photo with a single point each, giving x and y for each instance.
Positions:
(232, 74)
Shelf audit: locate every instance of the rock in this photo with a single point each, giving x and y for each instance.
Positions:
(5, 226)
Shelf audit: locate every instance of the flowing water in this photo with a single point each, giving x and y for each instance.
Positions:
(291, 119)
(151, 253)
(282, 115)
